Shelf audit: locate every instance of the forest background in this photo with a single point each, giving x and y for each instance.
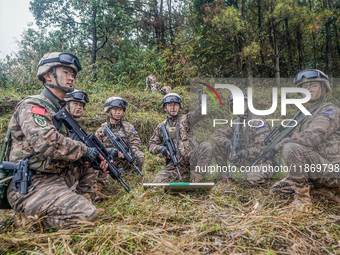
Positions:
(121, 42)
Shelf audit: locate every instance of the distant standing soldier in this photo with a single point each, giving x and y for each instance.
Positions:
(312, 154)
(251, 140)
(33, 131)
(178, 127)
(115, 108)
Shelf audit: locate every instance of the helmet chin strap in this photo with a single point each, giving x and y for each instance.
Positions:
(62, 88)
(110, 116)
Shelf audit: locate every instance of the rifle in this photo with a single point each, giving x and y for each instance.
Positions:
(236, 145)
(22, 176)
(120, 144)
(169, 144)
(91, 141)
(280, 132)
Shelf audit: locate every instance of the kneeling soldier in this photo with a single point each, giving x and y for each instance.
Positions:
(312, 154)
(115, 108)
(33, 131)
(178, 128)
(78, 170)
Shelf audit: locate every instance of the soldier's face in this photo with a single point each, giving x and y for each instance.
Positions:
(76, 108)
(66, 76)
(315, 89)
(172, 108)
(117, 112)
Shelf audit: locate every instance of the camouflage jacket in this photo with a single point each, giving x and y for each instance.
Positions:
(319, 132)
(185, 123)
(258, 131)
(32, 130)
(117, 129)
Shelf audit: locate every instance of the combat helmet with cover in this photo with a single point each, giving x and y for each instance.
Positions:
(310, 75)
(115, 102)
(172, 97)
(54, 59)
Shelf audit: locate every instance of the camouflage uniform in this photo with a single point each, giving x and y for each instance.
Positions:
(32, 130)
(317, 142)
(190, 156)
(257, 133)
(129, 134)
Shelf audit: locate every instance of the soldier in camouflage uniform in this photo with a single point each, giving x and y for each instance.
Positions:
(34, 131)
(115, 108)
(179, 128)
(78, 171)
(312, 154)
(253, 131)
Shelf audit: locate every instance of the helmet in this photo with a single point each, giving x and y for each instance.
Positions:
(77, 95)
(312, 75)
(231, 98)
(172, 97)
(115, 102)
(55, 59)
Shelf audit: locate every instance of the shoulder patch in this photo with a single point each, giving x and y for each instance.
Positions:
(328, 112)
(133, 129)
(37, 110)
(40, 120)
(260, 126)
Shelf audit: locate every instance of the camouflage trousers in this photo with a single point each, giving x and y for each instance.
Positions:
(51, 199)
(84, 175)
(257, 175)
(127, 167)
(303, 164)
(200, 156)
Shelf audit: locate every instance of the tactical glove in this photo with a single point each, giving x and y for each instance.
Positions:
(237, 157)
(91, 154)
(164, 151)
(114, 152)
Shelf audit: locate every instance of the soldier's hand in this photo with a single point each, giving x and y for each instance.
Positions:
(91, 154)
(236, 157)
(121, 155)
(104, 165)
(114, 152)
(164, 151)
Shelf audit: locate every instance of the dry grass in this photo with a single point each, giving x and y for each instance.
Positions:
(230, 219)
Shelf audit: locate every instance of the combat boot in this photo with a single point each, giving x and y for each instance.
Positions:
(302, 201)
(332, 194)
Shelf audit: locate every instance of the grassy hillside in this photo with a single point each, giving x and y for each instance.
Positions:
(230, 219)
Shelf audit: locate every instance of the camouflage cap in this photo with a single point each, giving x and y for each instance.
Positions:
(44, 68)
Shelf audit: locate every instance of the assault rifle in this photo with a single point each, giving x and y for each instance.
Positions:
(120, 144)
(280, 132)
(91, 141)
(236, 145)
(169, 144)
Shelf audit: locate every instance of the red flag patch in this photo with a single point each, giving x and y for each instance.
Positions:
(37, 110)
